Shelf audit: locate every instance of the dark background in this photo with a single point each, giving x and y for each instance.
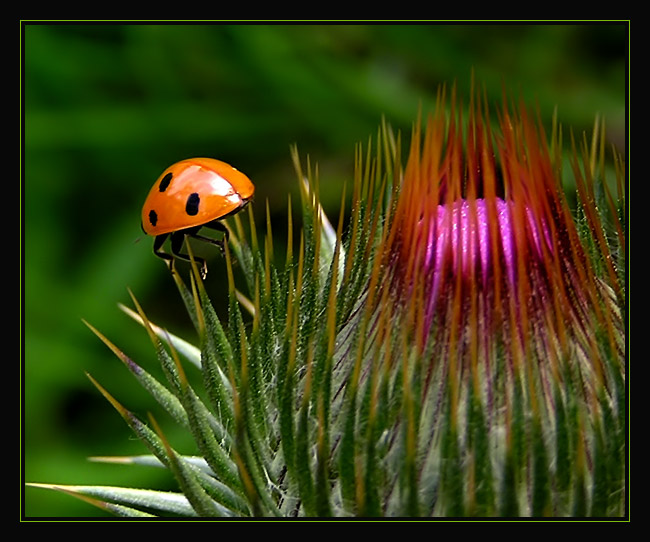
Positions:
(107, 107)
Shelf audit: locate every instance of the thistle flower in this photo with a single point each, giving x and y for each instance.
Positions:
(459, 351)
(514, 323)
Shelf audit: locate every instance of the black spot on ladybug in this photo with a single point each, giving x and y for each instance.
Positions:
(164, 182)
(192, 204)
(153, 217)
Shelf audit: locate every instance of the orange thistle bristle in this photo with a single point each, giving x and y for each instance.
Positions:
(483, 250)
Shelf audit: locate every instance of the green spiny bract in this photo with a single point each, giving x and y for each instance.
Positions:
(350, 381)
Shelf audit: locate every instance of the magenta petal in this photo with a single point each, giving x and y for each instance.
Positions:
(460, 228)
(461, 240)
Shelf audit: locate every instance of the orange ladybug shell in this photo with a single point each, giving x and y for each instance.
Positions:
(194, 192)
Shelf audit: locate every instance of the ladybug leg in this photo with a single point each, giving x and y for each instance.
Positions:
(177, 239)
(157, 246)
(218, 226)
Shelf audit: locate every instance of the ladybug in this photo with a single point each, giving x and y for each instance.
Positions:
(190, 195)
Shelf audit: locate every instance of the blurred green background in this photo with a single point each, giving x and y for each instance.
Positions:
(107, 107)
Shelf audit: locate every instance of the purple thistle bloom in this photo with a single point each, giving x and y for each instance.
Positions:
(484, 255)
